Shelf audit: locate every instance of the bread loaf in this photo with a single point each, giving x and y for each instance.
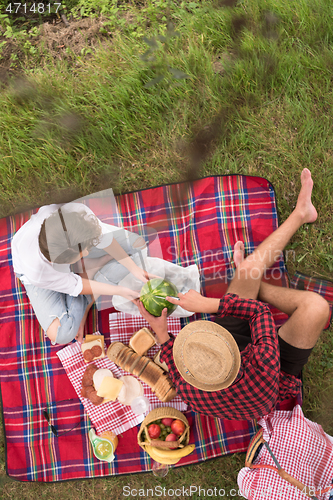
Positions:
(159, 362)
(144, 368)
(142, 341)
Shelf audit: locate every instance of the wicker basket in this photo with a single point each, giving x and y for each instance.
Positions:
(159, 413)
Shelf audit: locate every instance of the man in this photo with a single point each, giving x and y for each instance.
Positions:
(270, 361)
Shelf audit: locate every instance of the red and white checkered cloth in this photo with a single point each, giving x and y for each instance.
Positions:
(122, 326)
(114, 416)
(302, 449)
(111, 416)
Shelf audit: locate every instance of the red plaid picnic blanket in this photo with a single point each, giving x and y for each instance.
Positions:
(315, 284)
(196, 224)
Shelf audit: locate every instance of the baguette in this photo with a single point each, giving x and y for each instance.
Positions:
(162, 384)
(140, 366)
(122, 355)
(136, 360)
(129, 361)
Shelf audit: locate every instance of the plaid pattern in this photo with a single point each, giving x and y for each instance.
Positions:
(302, 449)
(199, 223)
(111, 416)
(258, 385)
(196, 224)
(123, 326)
(315, 284)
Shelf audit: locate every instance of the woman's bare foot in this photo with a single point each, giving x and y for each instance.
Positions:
(79, 335)
(304, 205)
(238, 253)
(80, 332)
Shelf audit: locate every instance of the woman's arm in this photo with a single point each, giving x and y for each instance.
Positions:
(91, 287)
(116, 251)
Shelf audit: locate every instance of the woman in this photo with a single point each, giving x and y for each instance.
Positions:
(56, 238)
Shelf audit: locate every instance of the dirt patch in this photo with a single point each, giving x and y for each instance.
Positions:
(75, 37)
(61, 42)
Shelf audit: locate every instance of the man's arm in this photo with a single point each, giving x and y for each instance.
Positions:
(160, 327)
(265, 355)
(229, 305)
(255, 312)
(263, 330)
(158, 324)
(195, 302)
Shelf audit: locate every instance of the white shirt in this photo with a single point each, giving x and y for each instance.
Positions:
(35, 268)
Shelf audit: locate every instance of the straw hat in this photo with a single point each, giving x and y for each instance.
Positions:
(206, 355)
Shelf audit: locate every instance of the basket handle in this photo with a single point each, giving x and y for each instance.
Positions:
(294, 482)
(167, 445)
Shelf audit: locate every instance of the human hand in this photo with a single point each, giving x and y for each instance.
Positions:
(127, 293)
(143, 275)
(158, 324)
(194, 302)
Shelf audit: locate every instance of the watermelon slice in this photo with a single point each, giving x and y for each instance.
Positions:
(161, 288)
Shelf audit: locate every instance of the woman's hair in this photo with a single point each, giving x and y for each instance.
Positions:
(62, 232)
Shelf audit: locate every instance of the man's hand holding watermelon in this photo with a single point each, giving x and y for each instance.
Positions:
(191, 301)
(158, 323)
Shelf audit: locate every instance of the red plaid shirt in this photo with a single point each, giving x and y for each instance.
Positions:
(259, 384)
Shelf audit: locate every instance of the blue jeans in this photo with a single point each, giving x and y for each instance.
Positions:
(49, 304)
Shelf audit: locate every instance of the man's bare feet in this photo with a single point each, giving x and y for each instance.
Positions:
(238, 253)
(304, 205)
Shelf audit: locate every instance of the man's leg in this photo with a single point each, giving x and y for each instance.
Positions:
(249, 273)
(308, 313)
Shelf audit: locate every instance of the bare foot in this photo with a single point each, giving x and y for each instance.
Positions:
(238, 253)
(79, 335)
(304, 204)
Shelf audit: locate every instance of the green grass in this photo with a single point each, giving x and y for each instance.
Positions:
(260, 99)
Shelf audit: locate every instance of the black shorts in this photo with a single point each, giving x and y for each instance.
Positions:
(292, 358)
